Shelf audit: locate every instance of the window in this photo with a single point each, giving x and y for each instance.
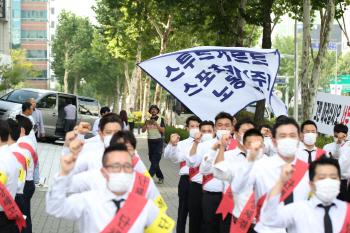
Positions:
(88, 107)
(21, 96)
(52, 24)
(52, 10)
(47, 102)
(52, 37)
(33, 34)
(36, 53)
(52, 78)
(34, 14)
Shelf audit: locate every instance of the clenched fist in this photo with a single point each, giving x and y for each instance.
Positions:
(70, 136)
(225, 140)
(76, 146)
(174, 139)
(83, 128)
(198, 137)
(286, 173)
(67, 164)
(254, 150)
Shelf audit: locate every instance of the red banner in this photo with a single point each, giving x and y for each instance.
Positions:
(346, 225)
(227, 204)
(127, 215)
(21, 159)
(233, 144)
(135, 160)
(319, 153)
(182, 164)
(26, 146)
(193, 171)
(141, 184)
(245, 218)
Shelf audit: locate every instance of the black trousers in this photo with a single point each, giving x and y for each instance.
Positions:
(68, 125)
(155, 148)
(183, 189)
(343, 195)
(131, 125)
(20, 203)
(28, 191)
(6, 225)
(213, 221)
(195, 197)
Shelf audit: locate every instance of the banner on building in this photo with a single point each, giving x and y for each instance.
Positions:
(330, 110)
(208, 80)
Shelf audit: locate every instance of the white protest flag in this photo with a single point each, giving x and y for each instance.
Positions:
(208, 80)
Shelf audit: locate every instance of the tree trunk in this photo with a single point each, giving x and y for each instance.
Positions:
(241, 24)
(66, 73)
(316, 70)
(141, 92)
(109, 101)
(146, 98)
(134, 78)
(266, 44)
(124, 96)
(75, 85)
(305, 60)
(116, 103)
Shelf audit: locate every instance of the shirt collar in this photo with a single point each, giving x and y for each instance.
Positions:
(314, 200)
(277, 161)
(302, 147)
(4, 148)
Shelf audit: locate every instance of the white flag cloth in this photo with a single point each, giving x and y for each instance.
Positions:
(208, 80)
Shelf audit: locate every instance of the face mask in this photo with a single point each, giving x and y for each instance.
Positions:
(207, 136)
(193, 132)
(261, 152)
(107, 140)
(219, 133)
(327, 189)
(287, 147)
(310, 138)
(335, 139)
(119, 182)
(241, 141)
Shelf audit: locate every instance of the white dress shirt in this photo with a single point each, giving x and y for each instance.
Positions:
(95, 127)
(335, 149)
(9, 166)
(202, 148)
(344, 162)
(263, 174)
(92, 210)
(303, 155)
(304, 216)
(30, 169)
(269, 149)
(15, 148)
(94, 180)
(32, 133)
(179, 153)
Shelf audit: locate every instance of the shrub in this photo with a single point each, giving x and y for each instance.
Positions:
(245, 114)
(169, 130)
(322, 141)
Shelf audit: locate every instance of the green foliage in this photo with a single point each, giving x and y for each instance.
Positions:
(344, 65)
(322, 141)
(183, 133)
(246, 114)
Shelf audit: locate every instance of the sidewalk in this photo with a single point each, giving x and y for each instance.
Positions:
(49, 157)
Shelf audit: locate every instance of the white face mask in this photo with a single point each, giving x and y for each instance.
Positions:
(241, 141)
(219, 133)
(206, 137)
(327, 189)
(193, 132)
(335, 139)
(119, 182)
(287, 147)
(310, 138)
(261, 152)
(107, 140)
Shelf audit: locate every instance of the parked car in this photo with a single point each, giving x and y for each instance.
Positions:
(51, 104)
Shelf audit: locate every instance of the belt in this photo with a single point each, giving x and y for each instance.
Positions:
(235, 220)
(213, 193)
(185, 175)
(18, 195)
(196, 184)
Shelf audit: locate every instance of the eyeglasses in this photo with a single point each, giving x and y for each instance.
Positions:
(116, 167)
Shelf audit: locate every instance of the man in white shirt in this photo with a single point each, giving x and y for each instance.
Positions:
(27, 111)
(29, 188)
(212, 187)
(323, 213)
(264, 173)
(111, 209)
(269, 149)
(9, 171)
(176, 151)
(103, 111)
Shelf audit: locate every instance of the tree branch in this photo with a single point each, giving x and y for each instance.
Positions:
(312, 51)
(344, 28)
(251, 37)
(155, 25)
(168, 26)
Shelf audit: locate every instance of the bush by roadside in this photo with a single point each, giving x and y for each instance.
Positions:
(183, 133)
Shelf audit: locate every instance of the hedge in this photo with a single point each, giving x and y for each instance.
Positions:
(322, 141)
(183, 133)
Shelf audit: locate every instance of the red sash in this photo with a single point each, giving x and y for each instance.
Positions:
(226, 205)
(193, 171)
(141, 184)
(127, 215)
(245, 218)
(10, 207)
(182, 164)
(135, 160)
(300, 169)
(26, 146)
(319, 153)
(346, 225)
(21, 159)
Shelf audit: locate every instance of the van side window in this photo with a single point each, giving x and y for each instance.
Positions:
(48, 101)
(88, 107)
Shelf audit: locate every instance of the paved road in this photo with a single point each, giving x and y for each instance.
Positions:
(49, 158)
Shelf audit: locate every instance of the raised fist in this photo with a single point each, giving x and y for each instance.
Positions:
(216, 145)
(174, 139)
(286, 173)
(83, 128)
(225, 140)
(76, 146)
(198, 137)
(70, 136)
(67, 164)
(255, 147)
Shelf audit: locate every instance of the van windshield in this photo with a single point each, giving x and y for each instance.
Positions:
(20, 96)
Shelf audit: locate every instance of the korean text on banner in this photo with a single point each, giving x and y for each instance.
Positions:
(208, 80)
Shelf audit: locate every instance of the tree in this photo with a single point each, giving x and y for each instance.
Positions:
(344, 65)
(17, 72)
(72, 38)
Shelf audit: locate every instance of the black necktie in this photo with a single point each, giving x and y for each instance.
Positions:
(310, 157)
(117, 203)
(327, 220)
(289, 199)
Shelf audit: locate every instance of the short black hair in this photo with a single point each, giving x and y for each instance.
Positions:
(192, 118)
(15, 129)
(4, 131)
(265, 126)
(108, 118)
(243, 121)
(69, 101)
(25, 106)
(284, 121)
(104, 110)
(25, 123)
(127, 135)
(206, 123)
(323, 160)
(223, 115)
(111, 148)
(252, 132)
(340, 128)
(307, 122)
